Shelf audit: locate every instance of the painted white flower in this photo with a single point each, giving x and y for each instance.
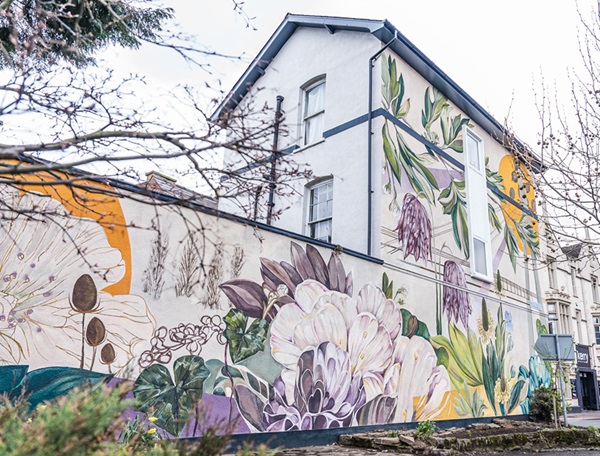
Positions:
(41, 257)
(369, 329)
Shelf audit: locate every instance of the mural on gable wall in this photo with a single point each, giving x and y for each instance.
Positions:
(273, 336)
(426, 195)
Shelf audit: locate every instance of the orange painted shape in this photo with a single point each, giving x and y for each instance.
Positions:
(518, 185)
(94, 202)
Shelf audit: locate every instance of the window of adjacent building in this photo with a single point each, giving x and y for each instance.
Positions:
(594, 281)
(564, 318)
(580, 336)
(551, 272)
(597, 329)
(313, 118)
(320, 210)
(574, 280)
(477, 206)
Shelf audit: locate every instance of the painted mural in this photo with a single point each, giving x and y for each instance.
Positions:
(207, 319)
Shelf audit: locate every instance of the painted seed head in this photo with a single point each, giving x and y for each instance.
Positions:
(95, 332)
(85, 295)
(107, 354)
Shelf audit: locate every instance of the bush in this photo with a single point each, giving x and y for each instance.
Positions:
(541, 407)
(425, 429)
(90, 422)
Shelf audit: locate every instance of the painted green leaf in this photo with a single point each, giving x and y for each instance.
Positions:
(454, 203)
(464, 356)
(540, 328)
(387, 286)
(491, 374)
(419, 176)
(528, 235)
(511, 245)
(493, 218)
(243, 342)
(171, 401)
(45, 384)
(11, 377)
(432, 109)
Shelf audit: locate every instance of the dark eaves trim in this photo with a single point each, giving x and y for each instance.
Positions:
(402, 46)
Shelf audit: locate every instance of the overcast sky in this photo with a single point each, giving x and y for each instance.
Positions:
(496, 51)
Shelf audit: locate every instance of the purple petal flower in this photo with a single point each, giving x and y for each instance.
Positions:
(246, 296)
(414, 229)
(456, 302)
(326, 394)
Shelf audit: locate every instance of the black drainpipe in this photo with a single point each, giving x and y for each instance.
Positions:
(274, 157)
(369, 145)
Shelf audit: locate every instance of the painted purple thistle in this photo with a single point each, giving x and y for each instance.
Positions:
(456, 302)
(326, 394)
(414, 229)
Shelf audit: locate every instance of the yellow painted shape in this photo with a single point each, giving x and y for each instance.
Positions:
(92, 202)
(515, 175)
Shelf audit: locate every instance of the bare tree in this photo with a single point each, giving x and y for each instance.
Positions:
(566, 170)
(60, 113)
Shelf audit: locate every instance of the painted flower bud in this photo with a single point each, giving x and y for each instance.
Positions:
(107, 354)
(95, 333)
(85, 294)
(412, 326)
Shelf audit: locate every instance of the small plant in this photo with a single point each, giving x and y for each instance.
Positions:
(542, 404)
(425, 429)
(251, 450)
(392, 434)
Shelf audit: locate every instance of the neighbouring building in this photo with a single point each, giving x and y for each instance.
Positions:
(400, 283)
(574, 308)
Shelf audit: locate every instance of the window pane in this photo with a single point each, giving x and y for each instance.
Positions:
(321, 230)
(479, 255)
(315, 100)
(313, 129)
(473, 152)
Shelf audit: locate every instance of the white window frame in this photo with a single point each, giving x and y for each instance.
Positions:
(321, 113)
(552, 273)
(310, 222)
(477, 206)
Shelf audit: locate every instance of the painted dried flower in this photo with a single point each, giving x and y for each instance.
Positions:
(414, 229)
(455, 301)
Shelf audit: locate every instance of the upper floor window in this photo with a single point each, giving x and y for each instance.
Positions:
(574, 281)
(551, 272)
(477, 206)
(320, 210)
(314, 112)
(594, 281)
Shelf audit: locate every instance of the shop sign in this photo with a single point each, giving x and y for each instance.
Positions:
(582, 355)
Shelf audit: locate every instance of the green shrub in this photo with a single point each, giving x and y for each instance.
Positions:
(425, 429)
(541, 407)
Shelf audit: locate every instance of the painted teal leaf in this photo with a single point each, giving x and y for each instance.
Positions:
(45, 384)
(515, 393)
(171, 401)
(243, 342)
(11, 377)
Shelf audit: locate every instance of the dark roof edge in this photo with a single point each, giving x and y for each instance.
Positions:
(384, 31)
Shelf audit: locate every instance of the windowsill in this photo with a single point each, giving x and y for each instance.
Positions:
(481, 277)
(308, 146)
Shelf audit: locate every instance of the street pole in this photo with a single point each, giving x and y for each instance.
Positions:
(562, 388)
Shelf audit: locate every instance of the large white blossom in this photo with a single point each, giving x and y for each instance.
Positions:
(369, 329)
(43, 251)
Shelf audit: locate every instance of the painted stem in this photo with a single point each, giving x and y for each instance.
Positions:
(82, 340)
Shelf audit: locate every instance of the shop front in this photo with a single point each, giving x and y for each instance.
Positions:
(586, 383)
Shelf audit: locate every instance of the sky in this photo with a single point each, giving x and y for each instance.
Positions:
(499, 52)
